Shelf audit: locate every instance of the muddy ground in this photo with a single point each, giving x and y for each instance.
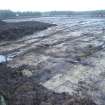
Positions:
(69, 57)
(17, 89)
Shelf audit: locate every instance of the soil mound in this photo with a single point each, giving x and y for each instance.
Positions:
(12, 31)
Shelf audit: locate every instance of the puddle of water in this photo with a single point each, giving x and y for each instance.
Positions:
(4, 58)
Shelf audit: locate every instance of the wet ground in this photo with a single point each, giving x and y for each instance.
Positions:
(69, 57)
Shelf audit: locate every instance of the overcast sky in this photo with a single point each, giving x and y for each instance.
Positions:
(51, 5)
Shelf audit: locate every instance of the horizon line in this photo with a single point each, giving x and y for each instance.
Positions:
(54, 10)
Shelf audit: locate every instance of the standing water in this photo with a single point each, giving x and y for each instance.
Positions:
(5, 58)
(2, 58)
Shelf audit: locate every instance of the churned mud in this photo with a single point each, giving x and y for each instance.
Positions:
(69, 57)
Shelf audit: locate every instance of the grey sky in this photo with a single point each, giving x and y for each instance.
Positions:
(50, 5)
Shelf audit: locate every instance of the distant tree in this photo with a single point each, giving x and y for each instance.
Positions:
(6, 14)
(36, 14)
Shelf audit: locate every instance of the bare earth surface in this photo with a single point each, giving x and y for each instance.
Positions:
(69, 57)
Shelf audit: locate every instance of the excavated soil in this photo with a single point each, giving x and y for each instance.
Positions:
(13, 31)
(69, 57)
(17, 89)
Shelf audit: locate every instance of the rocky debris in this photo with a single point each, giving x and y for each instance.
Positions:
(13, 31)
(16, 89)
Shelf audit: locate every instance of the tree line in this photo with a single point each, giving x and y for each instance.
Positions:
(4, 14)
